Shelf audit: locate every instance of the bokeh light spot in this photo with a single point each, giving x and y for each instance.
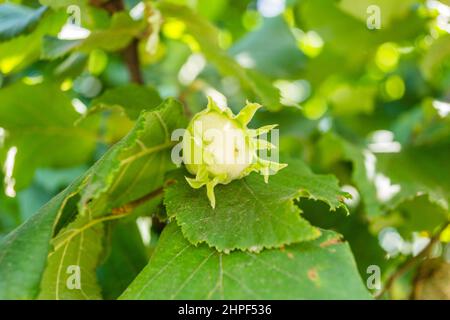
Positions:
(387, 57)
(271, 8)
(173, 29)
(315, 108)
(394, 87)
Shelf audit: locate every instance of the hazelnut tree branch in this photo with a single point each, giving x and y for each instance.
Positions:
(130, 54)
(410, 263)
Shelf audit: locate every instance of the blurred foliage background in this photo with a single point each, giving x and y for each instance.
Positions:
(370, 105)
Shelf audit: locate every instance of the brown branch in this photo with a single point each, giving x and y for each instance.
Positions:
(130, 54)
(111, 6)
(408, 264)
(131, 57)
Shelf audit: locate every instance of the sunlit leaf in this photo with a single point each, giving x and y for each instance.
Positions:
(249, 213)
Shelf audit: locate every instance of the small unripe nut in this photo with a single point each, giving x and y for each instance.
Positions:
(219, 148)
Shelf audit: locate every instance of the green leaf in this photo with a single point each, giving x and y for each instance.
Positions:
(320, 269)
(20, 52)
(419, 214)
(39, 121)
(356, 230)
(70, 271)
(432, 65)
(10, 214)
(121, 31)
(341, 25)
(16, 19)
(250, 214)
(127, 257)
(132, 168)
(23, 252)
(207, 37)
(281, 59)
(118, 35)
(333, 147)
(419, 170)
(137, 165)
(422, 125)
(53, 48)
(131, 98)
(412, 172)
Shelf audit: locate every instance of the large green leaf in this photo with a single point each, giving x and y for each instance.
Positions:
(207, 37)
(137, 165)
(133, 167)
(15, 19)
(39, 121)
(320, 269)
(250, 214)
(71, 265)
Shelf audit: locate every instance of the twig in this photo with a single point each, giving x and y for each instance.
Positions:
(131, 57)
(130, 54)
(408, 264)
(111, 6)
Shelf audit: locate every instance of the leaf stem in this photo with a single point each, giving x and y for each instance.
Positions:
(147, 151)
(130, 206)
